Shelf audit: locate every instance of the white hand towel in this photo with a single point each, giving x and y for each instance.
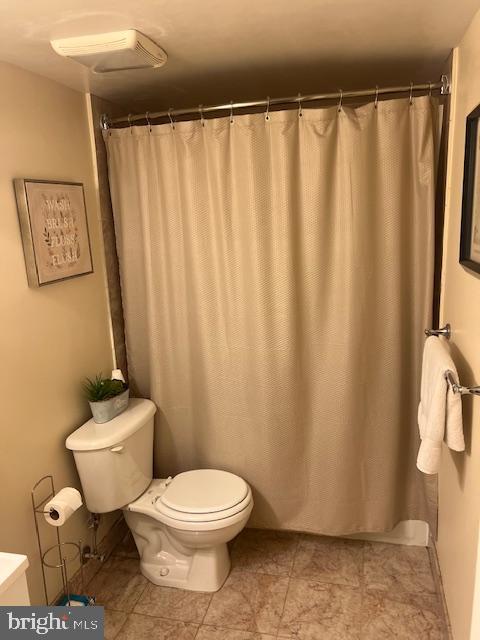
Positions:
(440, 409)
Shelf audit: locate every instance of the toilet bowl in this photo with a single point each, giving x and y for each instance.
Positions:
(182, 537)
(181, 525)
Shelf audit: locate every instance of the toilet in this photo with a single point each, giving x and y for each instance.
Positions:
(181, 525)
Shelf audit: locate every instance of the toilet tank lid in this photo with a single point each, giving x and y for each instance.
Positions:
(92, 436)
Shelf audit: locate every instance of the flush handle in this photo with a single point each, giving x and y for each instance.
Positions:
(117, 449)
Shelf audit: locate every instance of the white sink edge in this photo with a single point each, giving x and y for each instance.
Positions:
(12, 566)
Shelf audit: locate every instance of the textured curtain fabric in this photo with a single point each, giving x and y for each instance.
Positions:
(277, 278)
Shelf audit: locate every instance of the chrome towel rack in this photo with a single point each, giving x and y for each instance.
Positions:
(458, 388)
(445, 331)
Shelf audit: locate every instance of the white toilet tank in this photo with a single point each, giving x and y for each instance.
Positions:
(115, 459)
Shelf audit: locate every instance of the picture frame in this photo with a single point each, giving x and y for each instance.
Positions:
(54, 228)
(470, 227)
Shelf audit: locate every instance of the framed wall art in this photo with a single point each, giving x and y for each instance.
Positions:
(54, 228)
(470, 232)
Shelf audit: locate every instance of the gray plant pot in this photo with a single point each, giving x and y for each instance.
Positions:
(109, 409)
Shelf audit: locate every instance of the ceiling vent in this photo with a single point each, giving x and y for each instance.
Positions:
(114, 51)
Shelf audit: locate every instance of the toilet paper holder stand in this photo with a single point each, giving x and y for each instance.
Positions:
(63, 548)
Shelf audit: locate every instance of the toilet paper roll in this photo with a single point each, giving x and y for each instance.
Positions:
(62, 505)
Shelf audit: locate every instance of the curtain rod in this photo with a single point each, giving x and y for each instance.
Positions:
(443, 86)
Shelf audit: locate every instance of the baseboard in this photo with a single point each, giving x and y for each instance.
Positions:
(437, 576)
(410, 532)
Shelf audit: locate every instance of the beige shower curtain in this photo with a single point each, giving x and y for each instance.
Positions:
(277, 278)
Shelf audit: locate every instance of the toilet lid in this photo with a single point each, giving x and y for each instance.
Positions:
(204, 491)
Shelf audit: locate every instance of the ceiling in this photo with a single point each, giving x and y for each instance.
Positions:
(222, 50)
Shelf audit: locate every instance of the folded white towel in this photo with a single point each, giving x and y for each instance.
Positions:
(440, 409)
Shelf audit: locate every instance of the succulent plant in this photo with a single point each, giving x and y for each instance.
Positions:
(100, 388)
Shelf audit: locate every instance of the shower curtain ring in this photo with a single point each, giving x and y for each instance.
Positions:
(340, 101)
(202, 119)
(231, 111)
(411, 93)
(267, 112)
(429, 89)
(147, 118)
(129, 118)
(300, 112)
(376, 96)
(172, 121)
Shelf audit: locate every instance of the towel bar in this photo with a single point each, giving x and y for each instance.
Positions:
(444, 331)
(457, 388)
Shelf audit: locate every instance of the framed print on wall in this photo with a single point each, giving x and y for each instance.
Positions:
(54, 228)
(470, 233)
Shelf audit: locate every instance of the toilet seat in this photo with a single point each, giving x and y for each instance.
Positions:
(183, 516)
(211, 521)
(151, 504)
(203, 491)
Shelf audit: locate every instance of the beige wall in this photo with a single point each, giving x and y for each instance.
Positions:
(459, 478)
(50, 338)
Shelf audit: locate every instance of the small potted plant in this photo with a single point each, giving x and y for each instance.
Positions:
(107, 397)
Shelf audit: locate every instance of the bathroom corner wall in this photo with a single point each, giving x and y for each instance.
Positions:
(52, 337)
(459, 477)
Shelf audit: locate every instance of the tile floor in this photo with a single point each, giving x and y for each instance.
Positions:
(282, 585)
